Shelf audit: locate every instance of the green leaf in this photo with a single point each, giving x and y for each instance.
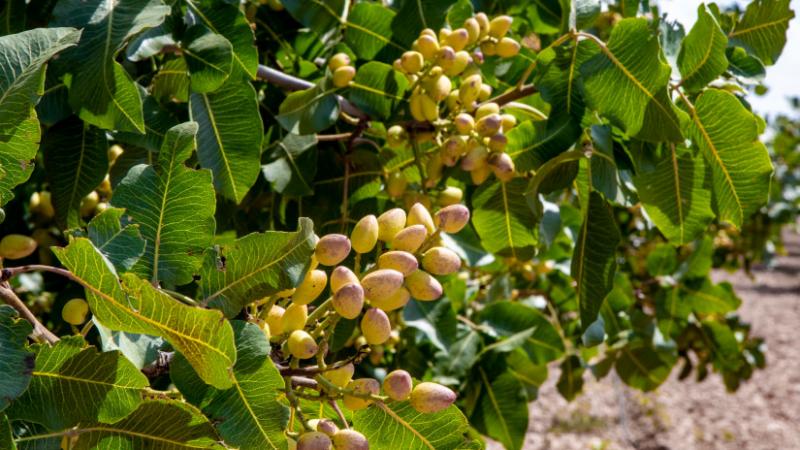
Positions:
(292, 173)
(248, 414)
(257, 265)
(397, 425)
(155, 425)
(209, 58)
(12, 20)
(506, 319)
(461, 355)
(762, 29)
(17, 361)
(171, 82)
(17, 151)
(570, 382)
(627, 82)
(176, 215)
(140, 349)
(309, 111)
(727, 134)
(644, 367)
(369, 32)
(116, 238)
(503, 410)
(378, 89)
(531, 144)
(593, 261)
(711, 298)
(228, 20)
(416, 15)
(229, 141)
(71, 384)
(6, 438)
(676, 194)
(436, 320)
(503, 220)
(22, 60)
(101, 91)
(744, 65)
(157, 121)
(662, 260)
(702, 56)
(200, 335)
(75, 156)
(318, 15)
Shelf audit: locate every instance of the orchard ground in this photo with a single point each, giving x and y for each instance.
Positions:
(764, 414)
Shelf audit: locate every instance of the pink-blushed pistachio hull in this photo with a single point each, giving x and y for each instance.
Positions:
(309, 289)
(326, 426)
(361, 386)
(480, 174)
(365, 234)
(340, 376)
(395, 301)
(441, 261)
(332, 249)
(397, 385)
(314, 440)
(340, 276)
(302, 345)
(419, 215)
(502, 165)
(390, 223)
(381, 283)
(350, 439)
(451, 219)
(409, 239)
(375, 326)
(423, 286)
(403, 262)
(475, 157)
(430, 397)
(349, 300)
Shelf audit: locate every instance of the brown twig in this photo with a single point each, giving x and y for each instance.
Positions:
(10, 298)
(513, 95)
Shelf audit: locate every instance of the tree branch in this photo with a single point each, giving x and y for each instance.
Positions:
(10, 298)
(513, 95)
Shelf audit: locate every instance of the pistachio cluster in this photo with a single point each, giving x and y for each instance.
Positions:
(342, 72)
(449, 93)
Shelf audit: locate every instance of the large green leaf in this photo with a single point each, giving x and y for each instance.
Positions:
(531, 144)
(594, 259)
(102, 92)
(256, 265)
(117, 239)
(229, 141)
(199, 334)
(627, 82)
(414, 16)
(6, 438)
(503, 220)
(22, 60)
(397, 425)
(542, 345)
(503, 409)
(762, 29)
(17, 361)
(711, 298)
(378, 89)
(319, 15)
(702, 55)
(209, 58)
(727, 134)
(309, 111)
(369, 32)
(570, 382)
(644, 367)
(292, 172)
(248, 415)
(155, 425)
(18, 149)
(75, 156)
(676, 194)
(71, 384)
(174, 206)
(228, 20)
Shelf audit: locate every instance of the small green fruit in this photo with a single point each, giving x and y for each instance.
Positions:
(507, 48)
(309, 289)
(365, 234)
(343, 76)
(340, 377)
(75, 311)
(423, 286)
(295, 317)
(338, 60)
(16, 246)
(499, 26)
(274, 319)
(419, 215)
(412, 61)
(390, 223)
(302, 345)
(451, 195)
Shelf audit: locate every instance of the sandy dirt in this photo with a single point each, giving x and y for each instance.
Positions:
(764, 414)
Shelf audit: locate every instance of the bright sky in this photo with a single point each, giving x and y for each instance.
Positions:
(782, 79)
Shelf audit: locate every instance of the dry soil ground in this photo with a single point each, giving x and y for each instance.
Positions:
(764, 414)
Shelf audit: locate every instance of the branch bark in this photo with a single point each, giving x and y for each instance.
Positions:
(10, 298)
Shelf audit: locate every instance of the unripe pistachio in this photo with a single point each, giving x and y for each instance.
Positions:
(483, 22)
(486, 92)
(464, 123)
(75, 311)
(509, 122)
(451, 195)
(433, 170)
(350, 439)
(338, 60)
(412, 61)
(507, 48)
(487, 109)
(295, 317)
(286, 293)
(105, 186)
(423, 286)
(42, 204)
(360, 342)
(89, 203)
(114, 152)
(427, 32)
(340, 376)
(451, 219)
(17, 246)
(309, 289)
(499, 26)
(314, 263)
(446, 58)
(397, 385)
(396, 184)
(428, 46)
(475, 157)
(274, 319)
(498, 142)
(396, 136)
(415, 107)
(341, 276)
(349, 300)
(441, 261)
(473, 29)
(458, 39)
(443, 33)
(398, 260)
(395, 301)
(480, 174)
(375, 326)
(376, 355)
(365, 234)
(452, 150)
(419, 215)
(326, 426)
(397, 65)
(390, 223)
(488, 48)
(361, 386)
(502, 165)
(409, 239)
(430, 110)
(332, 249)
(460, 63)
(302, 345)
(469, 89)
(452, 102)
(439, 89)
(430, 397)
(489, 125)
(343, 76)
(314, 440)
(381, 283)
